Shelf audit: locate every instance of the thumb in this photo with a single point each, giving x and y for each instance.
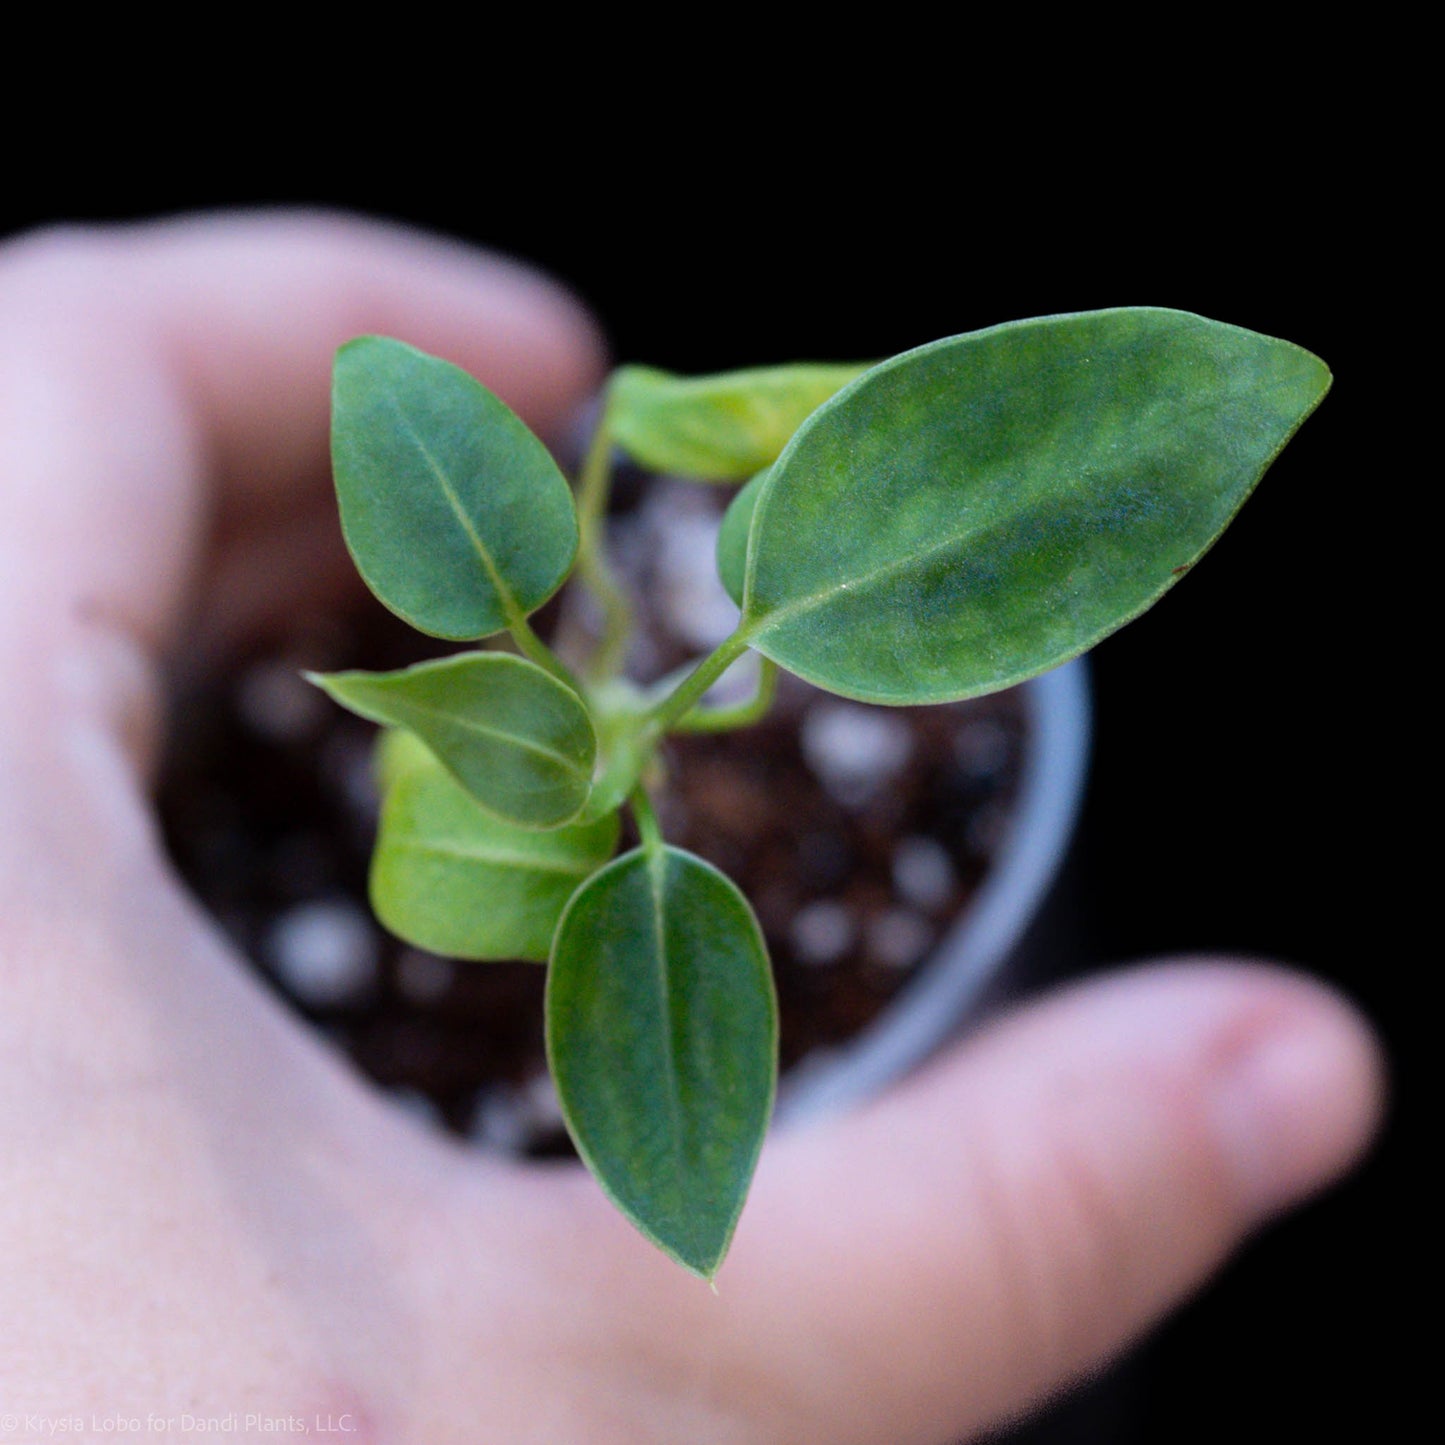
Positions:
(1013, 1218)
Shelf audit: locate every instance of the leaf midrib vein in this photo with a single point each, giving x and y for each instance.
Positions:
(656, 865)
(517, 740)
(509, 603)
(501, 857)
(790, 610)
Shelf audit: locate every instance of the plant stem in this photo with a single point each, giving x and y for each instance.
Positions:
(678, 703)
(736, 715)
(532, 647)
(648, 828)
(594, 489)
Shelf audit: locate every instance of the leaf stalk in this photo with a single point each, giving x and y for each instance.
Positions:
(594, 490)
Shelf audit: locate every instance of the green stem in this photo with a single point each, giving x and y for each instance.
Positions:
(665, 714)
(648, 828)
(593, 492)
(736, 715)
(531, 646)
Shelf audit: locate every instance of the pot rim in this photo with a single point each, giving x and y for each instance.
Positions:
(947, 993)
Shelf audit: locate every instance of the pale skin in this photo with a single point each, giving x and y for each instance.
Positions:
(203, 1210)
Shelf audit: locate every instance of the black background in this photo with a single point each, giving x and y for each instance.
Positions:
(1251, 744)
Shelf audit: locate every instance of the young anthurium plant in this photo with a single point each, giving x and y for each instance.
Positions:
(947, 523)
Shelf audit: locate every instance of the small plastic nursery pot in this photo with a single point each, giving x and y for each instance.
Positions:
(1009, 933)
(270, 810)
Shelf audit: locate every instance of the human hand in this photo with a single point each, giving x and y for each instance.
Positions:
(203, 1211)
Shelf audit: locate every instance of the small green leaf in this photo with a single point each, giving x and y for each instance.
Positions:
(448, 877)
(454, 512)
(519, 741)
(662, 1036)
(977, 511)
(717, 428)
(396, 752)
(732, 537)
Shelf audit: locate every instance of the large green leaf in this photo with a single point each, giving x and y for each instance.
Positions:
(662, 1036)
(974, 512)
(449, 877)
(732, 537)
(456, 515)
(717, 428)
(519, 741)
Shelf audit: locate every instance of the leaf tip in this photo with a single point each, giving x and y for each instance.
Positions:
(700, 1266)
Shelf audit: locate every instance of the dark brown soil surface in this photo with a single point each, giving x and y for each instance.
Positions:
(858, 834)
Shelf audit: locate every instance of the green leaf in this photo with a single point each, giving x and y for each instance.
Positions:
(454, 512)
(717, 428)
(396, 752)
(732, 537)
(974, 512)
(662, 1036)
(519, 741)
(451, 878)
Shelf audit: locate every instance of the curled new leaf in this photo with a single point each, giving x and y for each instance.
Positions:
(732, 537)
(717, 428)
(977, 511)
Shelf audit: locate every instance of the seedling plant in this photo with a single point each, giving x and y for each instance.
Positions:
(945, 524)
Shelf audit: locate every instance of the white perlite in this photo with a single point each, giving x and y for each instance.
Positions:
(421, 1107)
(923, 873)
(697, 607)
(822, 933)
(898, 938)
(511, 1119)
(324, 952)
(854, 751)
(278, 704)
